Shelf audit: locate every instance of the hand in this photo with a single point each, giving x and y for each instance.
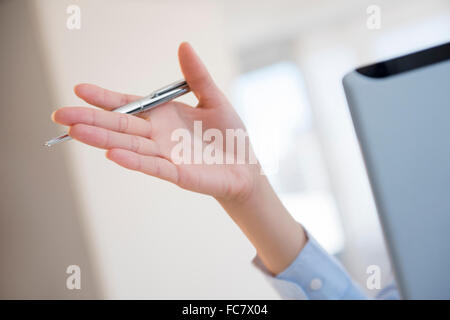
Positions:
(143, 142)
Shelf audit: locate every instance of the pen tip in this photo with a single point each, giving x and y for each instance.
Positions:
(56, 140)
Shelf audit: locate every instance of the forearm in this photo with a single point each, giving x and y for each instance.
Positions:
(277, 237)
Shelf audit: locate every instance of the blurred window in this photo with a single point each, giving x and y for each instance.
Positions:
(273, 103)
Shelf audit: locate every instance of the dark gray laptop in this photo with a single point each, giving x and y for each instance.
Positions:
(401, 113)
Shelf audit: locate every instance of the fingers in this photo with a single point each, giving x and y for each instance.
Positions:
(107, 139)
(119, 122)
(151, 165)
(103, 98)
(196, 74)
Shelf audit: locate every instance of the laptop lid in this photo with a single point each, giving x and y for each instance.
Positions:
(401, 113)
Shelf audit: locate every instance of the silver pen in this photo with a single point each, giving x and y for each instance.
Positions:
(167, 93)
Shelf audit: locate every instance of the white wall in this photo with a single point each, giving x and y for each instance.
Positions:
(40, 229)
(149, 239)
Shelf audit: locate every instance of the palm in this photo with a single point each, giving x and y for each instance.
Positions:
(219, 180)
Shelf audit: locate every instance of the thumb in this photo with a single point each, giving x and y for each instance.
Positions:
(196, 74)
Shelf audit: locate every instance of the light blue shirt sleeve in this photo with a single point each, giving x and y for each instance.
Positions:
(315, 274)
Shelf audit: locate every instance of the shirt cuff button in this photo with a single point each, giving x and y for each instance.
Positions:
(315, 284)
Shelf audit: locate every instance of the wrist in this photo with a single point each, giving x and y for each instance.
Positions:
(275, 234)
(257, 190)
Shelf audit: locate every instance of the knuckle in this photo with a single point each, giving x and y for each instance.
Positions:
(149, 128)
(93, 117)
(135, 144)
(123, 123)
(157, 168)
(106, 139)
(156, 149)
(139, 166)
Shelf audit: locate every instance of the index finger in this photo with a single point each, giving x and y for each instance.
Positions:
(103, 98)
(119, 122)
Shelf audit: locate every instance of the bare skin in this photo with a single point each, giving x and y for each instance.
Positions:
(143, 143)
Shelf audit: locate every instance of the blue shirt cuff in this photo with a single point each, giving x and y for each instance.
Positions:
(314, 274)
